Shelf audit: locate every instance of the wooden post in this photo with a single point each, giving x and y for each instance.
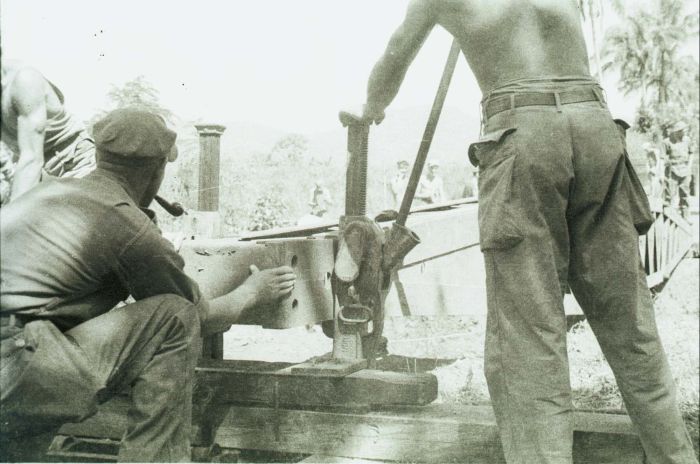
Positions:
(209, 156)
(206, 221)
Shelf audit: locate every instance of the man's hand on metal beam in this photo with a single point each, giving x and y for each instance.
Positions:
(270, 285)
(261, 289)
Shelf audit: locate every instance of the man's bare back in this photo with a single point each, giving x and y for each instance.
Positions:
(503, 40)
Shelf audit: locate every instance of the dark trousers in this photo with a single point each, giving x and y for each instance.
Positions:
(48, 377)
(559, 204)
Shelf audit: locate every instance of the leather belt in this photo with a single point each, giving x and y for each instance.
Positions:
(501, 103)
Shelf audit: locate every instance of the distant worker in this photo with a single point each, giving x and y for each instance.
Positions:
(559, 204)
(431, 189)
(677, 170)
(42, 135)
(471, 185)
(71, 250)
(319, 204)
(399, 182)
(321, 200)
(654, 169)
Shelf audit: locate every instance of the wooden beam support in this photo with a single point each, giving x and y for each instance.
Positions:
(434, 433)
(438, 433)
(227, 382)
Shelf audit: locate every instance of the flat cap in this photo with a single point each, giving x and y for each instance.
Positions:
(134, 132)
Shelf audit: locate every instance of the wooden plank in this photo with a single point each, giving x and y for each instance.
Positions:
(305, 231)
(676, 259)
(682, 223)
(220, 265)
(226, 383)
(435, 433)
(321, 459)
(431, 434)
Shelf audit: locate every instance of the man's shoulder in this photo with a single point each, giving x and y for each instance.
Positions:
(27, 83)
(104, 197)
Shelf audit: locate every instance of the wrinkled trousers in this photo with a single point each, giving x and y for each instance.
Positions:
(559, 204)
(48, 377)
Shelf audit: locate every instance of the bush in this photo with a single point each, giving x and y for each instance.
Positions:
(269, 212)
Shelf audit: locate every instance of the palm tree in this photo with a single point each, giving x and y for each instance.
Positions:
(628, 49)
(646, 48)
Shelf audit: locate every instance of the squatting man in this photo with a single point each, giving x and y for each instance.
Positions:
(72, 248)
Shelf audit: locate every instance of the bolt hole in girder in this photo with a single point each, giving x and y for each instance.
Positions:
(295, 303)
(295, 261)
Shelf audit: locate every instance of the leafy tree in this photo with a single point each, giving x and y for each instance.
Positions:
(140, 93)
(291, 147)
(645, 51)
(137, 92)
(269, 212)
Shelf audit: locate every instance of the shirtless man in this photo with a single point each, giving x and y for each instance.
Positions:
(559, 205)
(39, 131)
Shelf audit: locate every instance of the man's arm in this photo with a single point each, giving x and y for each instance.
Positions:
(389, 72)
(29, 100)
(149, 266)
(260, 289)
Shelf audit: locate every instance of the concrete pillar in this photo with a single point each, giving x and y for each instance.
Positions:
(209, 160)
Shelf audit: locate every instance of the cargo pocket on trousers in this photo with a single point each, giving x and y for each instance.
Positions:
(640, 210)
(495, 154)
(639, 201)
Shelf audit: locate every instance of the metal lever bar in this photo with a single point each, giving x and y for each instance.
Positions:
(428, 134)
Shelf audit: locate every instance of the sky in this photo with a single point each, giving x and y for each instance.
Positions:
(287, 64)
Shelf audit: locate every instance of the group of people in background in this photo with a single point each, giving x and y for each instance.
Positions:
(669, 172)
(670, 167)
(430, 190)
